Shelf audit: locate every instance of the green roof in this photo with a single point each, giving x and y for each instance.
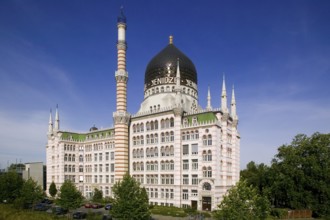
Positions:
(83, 136)
(202, 117)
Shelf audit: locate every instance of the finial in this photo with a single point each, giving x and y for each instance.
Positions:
(121, 18)
(171, 39)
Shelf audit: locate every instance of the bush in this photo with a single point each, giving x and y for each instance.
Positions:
(168, 211)
(278, 213)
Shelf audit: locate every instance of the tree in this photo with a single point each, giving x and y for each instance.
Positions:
(243, 202)
(10, 186)
(30, 193)
(69, 196)
(301, 174)
(98, 195)
(52, 190)
(130, 200)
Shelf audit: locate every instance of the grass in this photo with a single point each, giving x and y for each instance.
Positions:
(7, 212)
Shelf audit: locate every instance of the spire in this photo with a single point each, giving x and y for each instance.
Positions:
(170, 39)
(233, 105)
(50, 123)
(57, 120)
(224, 96)
(208, 107)
(121, 18)
(178, 86)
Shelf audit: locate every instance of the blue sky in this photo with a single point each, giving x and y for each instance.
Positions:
(276, 53)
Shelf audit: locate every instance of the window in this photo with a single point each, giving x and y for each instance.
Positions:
(185, 195)
(185, 180)
(209, 172)
(81, 158)
(194, 179)
(107, 156)
(107, 167)
(185, 165)
(112, 156)
(95, 168)
(229, 151)
(185, 149)
(112, 167)
(100, 167)
(95, 157)
(194, 193)
(206, 186)
(194, 149)
(81, 168)
(194, 164)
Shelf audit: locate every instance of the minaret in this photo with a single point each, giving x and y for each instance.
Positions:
(121, 116)
(233, 105)
(224, 97)
(178, 80)
(50, 123)
(208, 107)
(57, 120)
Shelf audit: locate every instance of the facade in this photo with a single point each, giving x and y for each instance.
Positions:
(35, 171)
(182, 154)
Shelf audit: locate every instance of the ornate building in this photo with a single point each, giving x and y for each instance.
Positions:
(182, 154)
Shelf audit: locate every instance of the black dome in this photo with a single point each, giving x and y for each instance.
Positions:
(164, 64)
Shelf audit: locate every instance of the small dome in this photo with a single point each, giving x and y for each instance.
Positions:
(93, 128)
(162, 68)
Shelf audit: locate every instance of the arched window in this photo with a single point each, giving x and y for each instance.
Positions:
(148, 126)
(65, 157)
(172, 136)
(162, 137)
(171, 150)
(204, 155)
(156, 151)
(209, 155)
(156, 125)
(171, 165)
(141, 127)
(204, 140)
(134, 166)
(162, 124)
(207, 186)
(156, 138)
(162, 151)
(209, 172)
(183, 136)
(65, 168)
(81, 158)
(167, 123)
(167, 151)
(172, 122)
(148, 139)
(209, 141)
(204, 172)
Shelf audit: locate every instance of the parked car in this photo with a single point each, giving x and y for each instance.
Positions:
(58, 210)
(96, 206)
(79, 215)
(88, 205)
(41, 207)
(107, 206)
(47, 201)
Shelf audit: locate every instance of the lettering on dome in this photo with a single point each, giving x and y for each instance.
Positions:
(171, 80)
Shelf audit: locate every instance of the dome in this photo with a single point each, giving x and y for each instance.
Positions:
(162, 68)
(93, 128)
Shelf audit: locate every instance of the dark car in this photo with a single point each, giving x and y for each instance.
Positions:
(107, 206)
(57, 210)
(79, 215)
(47, 201)
(41, 207)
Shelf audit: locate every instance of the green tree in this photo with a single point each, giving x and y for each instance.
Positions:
(257, 175)
(243, 202)
(10, 186)
(301, 174)
(69, 196)
(52, 190)
(30, 193)
(97, 196)
(130, 200)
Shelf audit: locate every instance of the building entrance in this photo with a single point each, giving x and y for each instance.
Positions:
(206, 203)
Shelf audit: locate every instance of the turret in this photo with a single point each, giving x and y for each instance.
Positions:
(50, 123)
(233, 105)
(178, 80)
(208, 107)
(57, 120)
(224, 97)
